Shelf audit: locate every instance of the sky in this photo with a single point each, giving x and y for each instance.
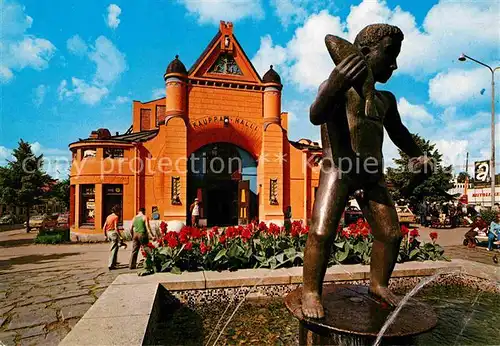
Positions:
(68, 67)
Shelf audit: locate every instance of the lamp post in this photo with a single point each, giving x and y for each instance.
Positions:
(464, 57)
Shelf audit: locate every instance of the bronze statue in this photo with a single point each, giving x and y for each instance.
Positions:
(353, 138)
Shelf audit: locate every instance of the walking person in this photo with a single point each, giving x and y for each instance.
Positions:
(423, 213)
(112, 234)
(140, 235)
(195, 212)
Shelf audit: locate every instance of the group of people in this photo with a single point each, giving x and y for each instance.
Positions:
(140, 231)
(479, 227)
(445, 211)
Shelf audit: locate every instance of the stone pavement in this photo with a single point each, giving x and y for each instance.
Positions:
(45, 289)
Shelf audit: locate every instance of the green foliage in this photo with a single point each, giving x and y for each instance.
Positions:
(60, 192)
(23, 179)
(52, 236)
(462, 176)
(432, 189)
(488, 215)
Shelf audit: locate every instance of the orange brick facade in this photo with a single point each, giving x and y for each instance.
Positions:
(221, 103)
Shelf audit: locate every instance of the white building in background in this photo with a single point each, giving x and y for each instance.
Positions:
(478, 195)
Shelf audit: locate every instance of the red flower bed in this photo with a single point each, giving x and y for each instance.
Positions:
(261, 245)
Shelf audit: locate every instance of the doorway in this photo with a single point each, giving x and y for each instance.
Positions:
(215, 171)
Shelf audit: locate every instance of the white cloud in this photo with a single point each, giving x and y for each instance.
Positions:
(76, 45)
(39, 94)
(455, 87)
(448, 29)
(112, 19)
(56, 162)
(5, 74)
(121, 100)
(5, 154)
(158, 93)
(413, 112)
(290, 11)
(296, 109)
(310, 63)
(210, 11)
(110, 62)
(89, 94)
(268, 55)
(18, 49)
(453, 151)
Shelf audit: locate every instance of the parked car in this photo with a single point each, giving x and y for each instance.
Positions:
(7, 220)
(405, 215)
(43, 221)
(63, 220)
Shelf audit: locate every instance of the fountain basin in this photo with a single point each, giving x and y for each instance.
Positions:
(354, 317)
(132, 310)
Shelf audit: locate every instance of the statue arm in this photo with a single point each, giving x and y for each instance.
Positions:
(331, 92)
(398, 133)
(324, 103)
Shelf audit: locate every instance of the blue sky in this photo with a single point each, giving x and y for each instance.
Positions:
(68, 67)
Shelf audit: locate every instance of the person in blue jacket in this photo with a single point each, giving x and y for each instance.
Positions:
(494, 232)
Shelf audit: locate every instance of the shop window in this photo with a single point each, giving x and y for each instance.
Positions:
(273, 191)
(176, 191)
(86, 153)
(113, 153)
(112, 195)
(87, 205)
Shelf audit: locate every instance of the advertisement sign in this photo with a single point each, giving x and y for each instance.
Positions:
(482, 171)
(113, 190)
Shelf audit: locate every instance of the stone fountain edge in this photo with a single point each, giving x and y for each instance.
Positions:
(127, 310)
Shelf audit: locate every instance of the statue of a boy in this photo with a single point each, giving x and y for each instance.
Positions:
(353, 162)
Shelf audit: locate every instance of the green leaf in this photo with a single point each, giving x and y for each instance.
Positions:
(360, 247)
(235, 251)
(290, 253)
(176, 270)
(340, 245)
(221, 254)
(341, 255)
(280, 257)
(167, 251)
(414, 253)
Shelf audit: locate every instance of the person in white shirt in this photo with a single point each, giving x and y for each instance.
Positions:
(195, 212)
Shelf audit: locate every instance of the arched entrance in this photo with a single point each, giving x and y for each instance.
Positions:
(224, 178)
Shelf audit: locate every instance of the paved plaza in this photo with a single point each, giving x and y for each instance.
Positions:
(46, 289)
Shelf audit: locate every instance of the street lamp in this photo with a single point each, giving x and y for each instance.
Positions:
(464, 57)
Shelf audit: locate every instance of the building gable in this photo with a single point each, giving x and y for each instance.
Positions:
(224, 59)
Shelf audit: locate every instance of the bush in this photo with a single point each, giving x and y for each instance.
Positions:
(260, 246)
(52, 236)
(488, 215)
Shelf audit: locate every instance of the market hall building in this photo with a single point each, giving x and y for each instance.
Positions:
(219, 135)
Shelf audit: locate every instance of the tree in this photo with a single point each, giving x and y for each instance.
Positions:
(433, 189)
(462, 176)
(23, 180)
(60, 192)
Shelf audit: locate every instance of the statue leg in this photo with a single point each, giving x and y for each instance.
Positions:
(380, 213)
(328, 207)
